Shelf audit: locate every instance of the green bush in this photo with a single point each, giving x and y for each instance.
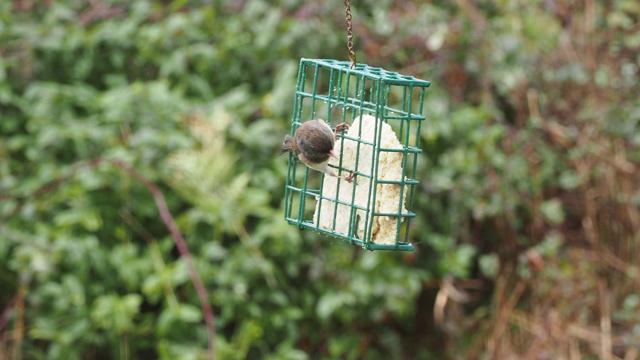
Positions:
(528, 181)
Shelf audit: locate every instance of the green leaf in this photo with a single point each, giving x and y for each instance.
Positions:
(552, 211)
(489, 265)
(115, 312)
(331, 302)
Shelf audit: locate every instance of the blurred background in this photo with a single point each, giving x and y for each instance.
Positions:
(528, 228)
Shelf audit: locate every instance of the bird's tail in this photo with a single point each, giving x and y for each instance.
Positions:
(286, 144)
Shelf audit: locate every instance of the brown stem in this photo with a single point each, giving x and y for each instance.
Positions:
(169, 222)
(181, 244)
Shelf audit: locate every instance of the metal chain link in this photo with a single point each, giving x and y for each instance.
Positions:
(352, 53)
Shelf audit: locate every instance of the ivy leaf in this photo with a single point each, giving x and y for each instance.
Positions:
(552, 211)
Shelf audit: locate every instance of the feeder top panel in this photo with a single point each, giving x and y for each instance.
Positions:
(374, 73)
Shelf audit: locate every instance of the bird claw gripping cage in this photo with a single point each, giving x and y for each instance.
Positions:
(381, 147)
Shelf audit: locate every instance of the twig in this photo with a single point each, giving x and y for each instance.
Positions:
(4, 317)
(169, 222)
(504, 314)
(98, 11)
(180, 244)
(605, 320)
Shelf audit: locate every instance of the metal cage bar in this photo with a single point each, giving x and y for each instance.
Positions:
(354, 92)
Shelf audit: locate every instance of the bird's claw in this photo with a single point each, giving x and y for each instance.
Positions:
(340, 127)
(349, 178)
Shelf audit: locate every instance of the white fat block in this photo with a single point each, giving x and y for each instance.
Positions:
(384, 228)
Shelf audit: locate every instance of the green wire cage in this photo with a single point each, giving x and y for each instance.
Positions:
(384, 110)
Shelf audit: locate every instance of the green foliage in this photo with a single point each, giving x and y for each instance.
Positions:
(529, 173)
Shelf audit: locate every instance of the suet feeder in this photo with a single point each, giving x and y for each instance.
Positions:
(384, 110)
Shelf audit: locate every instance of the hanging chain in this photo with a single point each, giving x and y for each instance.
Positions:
(352, 53)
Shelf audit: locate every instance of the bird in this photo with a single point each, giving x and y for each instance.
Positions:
(313, 144)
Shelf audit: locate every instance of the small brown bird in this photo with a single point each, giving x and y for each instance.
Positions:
(313, 144)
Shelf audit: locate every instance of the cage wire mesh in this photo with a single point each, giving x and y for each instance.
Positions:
(384, 110)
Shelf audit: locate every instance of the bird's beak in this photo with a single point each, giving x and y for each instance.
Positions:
(332, 154)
